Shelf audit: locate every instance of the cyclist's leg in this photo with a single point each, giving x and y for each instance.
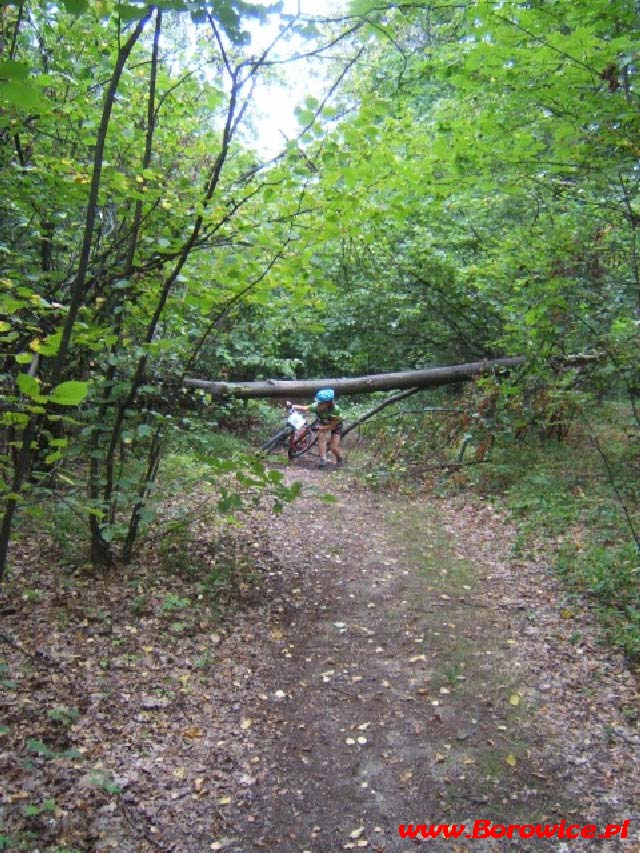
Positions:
(336, 435)
(323, 434)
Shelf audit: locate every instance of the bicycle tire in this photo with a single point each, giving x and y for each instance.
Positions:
(310, 440)
(280, 439)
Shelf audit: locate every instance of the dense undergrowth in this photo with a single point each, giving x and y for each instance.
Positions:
(201, 461)
(573, 489)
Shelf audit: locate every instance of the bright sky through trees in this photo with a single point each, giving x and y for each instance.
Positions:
(274, 120)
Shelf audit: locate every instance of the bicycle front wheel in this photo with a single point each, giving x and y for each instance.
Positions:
(279, 440)
(304, 443)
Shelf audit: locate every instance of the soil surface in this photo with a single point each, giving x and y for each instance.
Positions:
(388, 662)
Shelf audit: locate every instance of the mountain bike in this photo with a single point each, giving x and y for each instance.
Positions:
(297, 437)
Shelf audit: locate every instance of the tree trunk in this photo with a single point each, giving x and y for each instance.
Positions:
(429, 378)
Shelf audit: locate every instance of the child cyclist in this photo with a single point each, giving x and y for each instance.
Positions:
(330, 417)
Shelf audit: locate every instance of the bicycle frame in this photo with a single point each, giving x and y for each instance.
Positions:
(301, 440)
(298, 437)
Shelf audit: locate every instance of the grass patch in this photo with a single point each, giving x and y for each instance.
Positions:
(577, 499)
(566, 500)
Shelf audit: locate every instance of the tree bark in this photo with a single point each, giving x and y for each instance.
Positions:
(429, 378)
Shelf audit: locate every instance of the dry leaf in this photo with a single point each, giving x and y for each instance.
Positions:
(514, 699)
(511, 760)
(193, 732)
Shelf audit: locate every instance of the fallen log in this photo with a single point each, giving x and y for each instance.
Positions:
(427, 378)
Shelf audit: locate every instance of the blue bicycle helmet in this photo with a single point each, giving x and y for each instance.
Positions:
(325, 396)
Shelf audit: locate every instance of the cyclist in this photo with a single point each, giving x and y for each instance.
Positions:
(330, 418)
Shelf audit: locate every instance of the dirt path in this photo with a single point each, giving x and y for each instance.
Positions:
(425, 678)
(391, 664)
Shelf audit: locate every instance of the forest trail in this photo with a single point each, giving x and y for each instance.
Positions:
(424, 676)
(390, 662)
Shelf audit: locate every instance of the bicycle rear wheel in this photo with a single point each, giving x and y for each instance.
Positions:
(303, 444)
(280, 439)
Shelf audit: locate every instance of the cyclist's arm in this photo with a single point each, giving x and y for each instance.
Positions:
(297, 408)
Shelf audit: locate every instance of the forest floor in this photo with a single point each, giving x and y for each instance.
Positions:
(384, 660)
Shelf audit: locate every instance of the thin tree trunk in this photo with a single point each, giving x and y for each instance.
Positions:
(151, 474)
(100, 549)
(77, 288)
(20, 472)
(388, 402)
(232, 118)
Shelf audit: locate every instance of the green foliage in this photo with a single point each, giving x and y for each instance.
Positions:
(64, 716)
(44, 751)
(5, 681)
(6, 841)
(37, 809)
(566, 499)
(104, 780)
(172, 603)
(97, 341)
(609, 573)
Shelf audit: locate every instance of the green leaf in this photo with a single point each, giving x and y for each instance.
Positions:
(69, 393)
(49, 346)
(37, 746)
(12, 70)
(108, 534)
(76, 7)
(20, 94)
(29, 385)
(129, 13)
(173, 5)
(306, 117)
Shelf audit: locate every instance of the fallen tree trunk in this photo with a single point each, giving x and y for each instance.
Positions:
(284, 389)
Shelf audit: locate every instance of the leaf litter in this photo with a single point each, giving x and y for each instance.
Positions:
(289, 711)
